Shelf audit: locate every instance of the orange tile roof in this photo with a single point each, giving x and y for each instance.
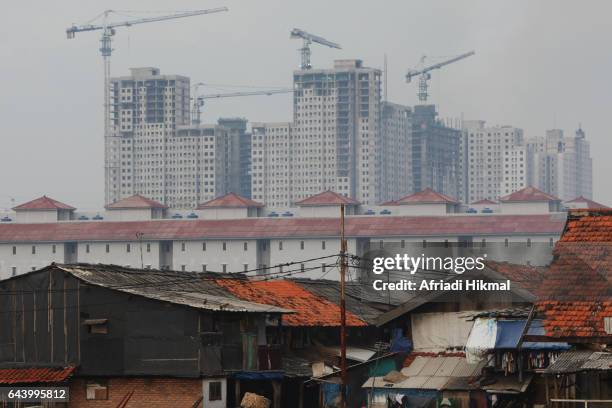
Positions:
(230, 200)
(576, 292)
(310, 310)
(327, 198)
(528, 194)
(43, 203)
(135, 201)
(35, 375)
(526, 277)
(426, 196)
(587, 203)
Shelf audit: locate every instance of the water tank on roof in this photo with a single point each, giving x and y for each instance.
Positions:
(287, 214)
(385, 212)
(487, 211)
(6, 219)
(192, 215)
(471, 211)
(273, 214)
(83, 218)
(370, 212)
(177, 216)
(97, 217)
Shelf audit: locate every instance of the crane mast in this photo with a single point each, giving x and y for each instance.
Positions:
(308, 39)
(425, 76)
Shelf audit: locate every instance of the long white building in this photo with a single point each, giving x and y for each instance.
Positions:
(232, 233)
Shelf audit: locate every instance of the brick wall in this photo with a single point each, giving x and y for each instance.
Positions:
(148, 392)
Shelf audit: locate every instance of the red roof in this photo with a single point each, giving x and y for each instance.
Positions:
(327, 198)
(43, 203)
(35, 375)
(529, 194)
(310, 310)
(577, 287)
(587, 203)
(134, 202)
(484, 201)
(426, 196)
(527, 277)
(245, 228)
(231, 200)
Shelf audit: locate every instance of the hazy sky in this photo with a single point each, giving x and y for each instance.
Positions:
(538, 65)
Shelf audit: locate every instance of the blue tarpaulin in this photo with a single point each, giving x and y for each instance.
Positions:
(509, 333)
(259, 375)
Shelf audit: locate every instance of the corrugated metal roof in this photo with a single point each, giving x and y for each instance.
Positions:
(250, 228)
(582, 360)
(183, 288)
(35, 375)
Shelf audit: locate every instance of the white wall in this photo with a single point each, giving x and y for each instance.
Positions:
(24, 260)
(541, 207)
(205, 392)
(235, 257)
(420, 209)
(118, 253)
(222, 213)
(331, 211)
(38, 216)
(134, 214)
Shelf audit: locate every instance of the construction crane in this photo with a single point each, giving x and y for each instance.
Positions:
(108, 31)
(309, 39)
(198, 100)
(425, 76)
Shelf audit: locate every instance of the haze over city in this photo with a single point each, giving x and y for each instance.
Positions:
(537, 66)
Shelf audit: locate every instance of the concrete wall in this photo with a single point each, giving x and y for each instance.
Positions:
(207, 403)
(119, 254)
(37, 216)
(222, 213)
(420, 209)
(135, 214)
(541, 207)
(191, 256)
(331, 211)
(24, 260)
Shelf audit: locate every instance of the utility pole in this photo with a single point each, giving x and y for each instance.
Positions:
(343, 266)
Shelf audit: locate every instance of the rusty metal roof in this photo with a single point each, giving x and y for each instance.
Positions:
(582, 360)
(190, 289)
(35, 375)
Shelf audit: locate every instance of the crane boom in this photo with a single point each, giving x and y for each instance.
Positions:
(425, 76)
(308, 39)
(70, 31)
(248, 93)
(412, 74)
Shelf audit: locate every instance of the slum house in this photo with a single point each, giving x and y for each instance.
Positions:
(310, 337)
(575, 305)
(117, 334)
(437, 323)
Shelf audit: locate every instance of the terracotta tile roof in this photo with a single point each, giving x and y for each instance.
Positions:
(528, 194)
(426, 196)
(133, 202)
(327, 198)
(230, 200)
(586, 203)
(43, 203)
(375, 226)
(484, 201)
(35, 375)
(576, 292)
(527, 277)
(310, 310)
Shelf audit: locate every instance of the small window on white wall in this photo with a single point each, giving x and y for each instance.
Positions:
(215, 391)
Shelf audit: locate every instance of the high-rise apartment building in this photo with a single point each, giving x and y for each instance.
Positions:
(561, 166)
(435, 150)
(494, 161)
(396, 153)
(153, 150)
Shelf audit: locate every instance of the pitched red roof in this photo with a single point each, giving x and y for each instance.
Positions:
(134, 202)
(231, 200)
(35, 375)
(484, 202)
(526, 277)
(528, 194)
(426, 196)
(363, 226)
(43, 203)
(327, 198)
(310, 310)
(587, 203)
(576, 291)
